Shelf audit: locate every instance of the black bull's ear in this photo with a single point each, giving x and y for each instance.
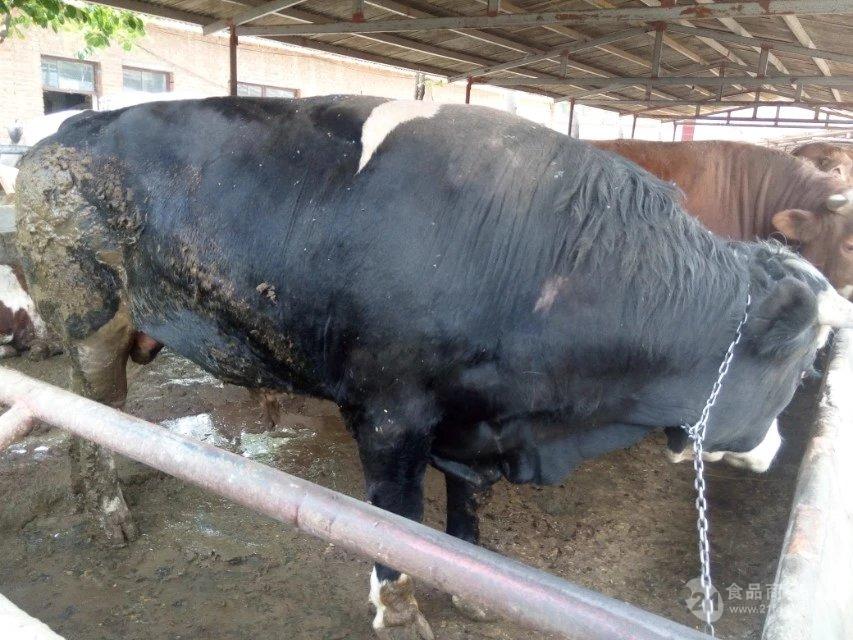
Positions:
(781, 322)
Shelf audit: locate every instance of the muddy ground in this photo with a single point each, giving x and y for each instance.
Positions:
(206, 569)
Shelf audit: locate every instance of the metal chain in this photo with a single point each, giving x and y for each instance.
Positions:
(697, 435)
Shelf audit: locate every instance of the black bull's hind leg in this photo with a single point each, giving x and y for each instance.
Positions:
(98, 372)
(463, 500)
(71, 251)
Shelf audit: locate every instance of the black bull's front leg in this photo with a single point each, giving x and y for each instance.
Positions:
(394, 446)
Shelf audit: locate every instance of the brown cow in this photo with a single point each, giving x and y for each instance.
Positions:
(744, 191)
(829, 158)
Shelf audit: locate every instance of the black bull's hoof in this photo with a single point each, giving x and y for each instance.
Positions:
(397, 613)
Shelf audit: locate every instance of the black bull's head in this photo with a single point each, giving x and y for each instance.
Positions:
(784, 331)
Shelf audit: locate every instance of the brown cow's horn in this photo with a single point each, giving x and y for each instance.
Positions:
(836, 201)
(834, 310)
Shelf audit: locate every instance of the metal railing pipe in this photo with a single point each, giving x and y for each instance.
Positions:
(14, 425)
(522, 593)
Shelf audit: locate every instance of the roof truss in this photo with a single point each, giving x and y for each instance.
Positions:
(501, 44)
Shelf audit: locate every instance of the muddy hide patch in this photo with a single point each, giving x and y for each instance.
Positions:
(74, 219)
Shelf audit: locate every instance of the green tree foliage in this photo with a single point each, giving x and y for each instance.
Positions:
(101, 26)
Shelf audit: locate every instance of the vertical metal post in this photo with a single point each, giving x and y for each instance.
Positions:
(674, 130)
(232, 52)
(468, 90)
(494, 7)
(656, 53)
(633, 127)
(722, 75)
(358, 10)
(762, 72)
(571, 116)
(420, 86)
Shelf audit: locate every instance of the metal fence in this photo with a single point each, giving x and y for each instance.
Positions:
(521, 593)
(813, 590)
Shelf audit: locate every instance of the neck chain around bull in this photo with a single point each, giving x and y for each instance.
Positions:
(697, 435)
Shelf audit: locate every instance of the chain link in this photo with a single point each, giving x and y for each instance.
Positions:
(697, 435)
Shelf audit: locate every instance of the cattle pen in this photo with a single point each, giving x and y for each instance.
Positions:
(811, 560)
(708, 62)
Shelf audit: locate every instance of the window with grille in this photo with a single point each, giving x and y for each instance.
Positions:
(74, 76)
(145, 80)
(263, 91)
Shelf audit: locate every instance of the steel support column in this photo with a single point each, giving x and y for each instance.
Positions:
(232, 60)
(571, 116)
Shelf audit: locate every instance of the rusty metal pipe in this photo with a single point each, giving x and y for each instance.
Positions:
(522, 593)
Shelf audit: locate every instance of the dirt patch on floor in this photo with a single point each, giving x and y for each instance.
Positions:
(204, 568)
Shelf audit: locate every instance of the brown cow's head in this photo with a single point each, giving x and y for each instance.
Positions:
(829, 158)
(825, 238)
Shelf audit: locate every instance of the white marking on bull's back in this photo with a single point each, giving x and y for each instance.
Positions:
(12, 295)
(387, 117)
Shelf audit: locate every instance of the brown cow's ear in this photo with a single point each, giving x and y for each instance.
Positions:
(796, 224)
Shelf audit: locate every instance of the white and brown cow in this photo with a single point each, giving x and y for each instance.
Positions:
(21, 328)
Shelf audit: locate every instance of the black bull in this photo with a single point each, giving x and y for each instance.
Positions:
(474, 291)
